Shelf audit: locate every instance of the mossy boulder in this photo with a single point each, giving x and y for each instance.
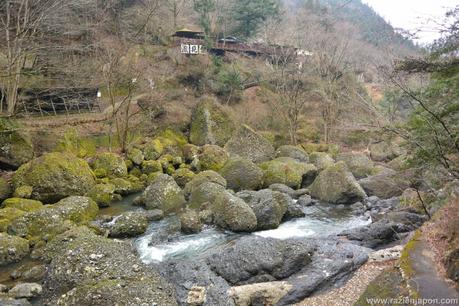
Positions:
(55, 176)
(12, 249)
(24, 192)
(232, 213)
(172, 141)
(204, 194)
(212, 157)
(190, 222)
(358, 163)
(111, 164)
(15, 146)
(287, 171)
(241, 174)
(384, 151)
(5, 189)
(102, 194)
(54, 219)
(150, 166)
(321, 160)
(7, 215)
(136, 156)
(72, 143)
(210, 124)
(182, 176)
(163, 193)
(204, 177)
(153, 149)
(269, 207)
(22, 204)
(126, 186)
(337, 185)
(294, 152)
(129, 224)
(109, 273)
(248, 144)
(384, 186)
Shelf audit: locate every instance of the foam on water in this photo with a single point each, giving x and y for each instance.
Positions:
(320, 221)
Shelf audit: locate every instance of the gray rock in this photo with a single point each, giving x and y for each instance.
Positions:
(384, 186)
(163, 193)
(204, 194)
(26, 290)
(358, 163)
(293, 152)
(294, 210)
(232, 213)
(248, 144)
(242, 174)
(305, 200)
(321, 160)
(34, 274)
(128, 224)
(154, 215)
(190, 222)
(269, 207)
(12, 249)
(6, 301)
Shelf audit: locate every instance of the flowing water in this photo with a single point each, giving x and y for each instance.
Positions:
(321, 220)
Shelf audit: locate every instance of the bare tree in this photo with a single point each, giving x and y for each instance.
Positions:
(21, 22)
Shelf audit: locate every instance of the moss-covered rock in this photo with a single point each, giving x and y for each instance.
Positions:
(112, 164)
(163, 193)
(102, 194)
(22, 204)
(129, 224)
(287, 171)
(358, 163)
(232, 213)
(190, 222)
(212, 157)
(54, 176)
(7, 215)
(182, 176)
(172, 141)
(321, 160)
(153, 149)
(204, 194)
(136, 156)
(248, 144)
(126, 186)
(190, 152)
(384, 151)
(12, 249)
(241, 174)
(204, 177)
(384, 186)
(24, 192)
(5, 189)
(210, 124)
(72, 143)
(150, 166)
(54, 219)
(109, 273)
(294, 152)
(269, 207)
(337, 185)
(15, 146)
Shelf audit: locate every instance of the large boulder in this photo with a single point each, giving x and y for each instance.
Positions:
(248, 144)
(358, 163)
(210, 124)
(212, 157)
(110, 164)
(204, 177)
(321, 160)
(163, 193)
(128, 224)
(15, 146)
(205, 193)
(12, 249)
(384, 186)
(22, 204)
(55, 176)
(384, 151)
(242, 174)
(232, 213)
(337, 185)
(269, 206)
(293, 152)
(102, 194)
(287, 171)
(172, 141)
(87, 269)
(54, 219)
